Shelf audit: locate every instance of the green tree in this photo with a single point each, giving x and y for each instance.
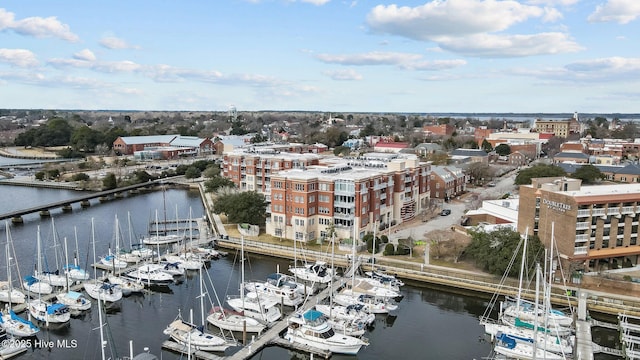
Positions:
(80, 177)
(218, 182)
(338, 150)
(211, 171)
(86, 139)
(242, 207)
(503, 149)
(486, 146)
(540, 170)
(192, 173)
(494, 250)
(110, 182)
(588, 173)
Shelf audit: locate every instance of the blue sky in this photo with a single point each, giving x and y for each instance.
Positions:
(322, 55)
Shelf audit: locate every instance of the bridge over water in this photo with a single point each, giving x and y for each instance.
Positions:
(16, 216)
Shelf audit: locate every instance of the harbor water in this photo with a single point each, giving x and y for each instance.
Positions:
(430, 323)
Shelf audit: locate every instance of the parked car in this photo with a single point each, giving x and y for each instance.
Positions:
(491, 184)
(445, 212)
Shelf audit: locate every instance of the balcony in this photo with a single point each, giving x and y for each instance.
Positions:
(580, 250)
(583, 212)
(582, 225)
(597, 211)
(582, 238)
(628, 210)
(613, 210)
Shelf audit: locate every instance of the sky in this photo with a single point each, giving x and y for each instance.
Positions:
(467, 56)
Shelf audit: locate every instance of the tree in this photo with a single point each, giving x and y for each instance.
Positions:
(86, 139)
(494, 250)
(540, 170)
(478, 171)
(192, 173)
(503, 149)
(588, 173)
(242, 207)
(486, 146)
(218, 182)
(109, 182)
(80, 177)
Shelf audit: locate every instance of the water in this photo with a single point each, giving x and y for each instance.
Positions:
(430, 323)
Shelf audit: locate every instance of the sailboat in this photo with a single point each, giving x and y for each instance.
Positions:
(73, 299)
(252, 304)
(9, 347)
(53, 277)
(111, 260)
(165, 239)
(75, 272)
(32, 283)
(236, 320)
(192, 335)
(99, 289)
(137, 251)
(187, 259)
(17, 326)
(8, 293)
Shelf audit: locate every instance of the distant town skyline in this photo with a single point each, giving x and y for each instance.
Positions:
(441, 56)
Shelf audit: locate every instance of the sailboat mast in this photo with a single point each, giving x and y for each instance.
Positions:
(524, 257)
(373, 250)
(6, 254)
(201, 299)
(39, 254)
(66, 260)
(102, 343)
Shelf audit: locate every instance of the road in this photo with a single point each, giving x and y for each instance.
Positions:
(459, 206)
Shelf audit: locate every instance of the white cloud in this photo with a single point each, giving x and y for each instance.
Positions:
(18, 57)
(85, 55)
(434, 65)
(37, 26)
(553, 2)
(348, 74)
(371, 58)
(6, 19)
(620, 11)
(607, 65)
(112, 42)
(487, 45)
(449, 18)
(551, 15)
(316, 2)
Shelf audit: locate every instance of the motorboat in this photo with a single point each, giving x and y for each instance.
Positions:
(127, 285)
(286, 293)
(317, 272)
(355, 312)
(258, 306)
(312, 329)
(370, 303)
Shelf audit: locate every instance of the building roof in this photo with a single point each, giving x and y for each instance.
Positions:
(429, 146)
(572, 155)
(187, 141)
(442, 173)
(469, 152)
(148, 139)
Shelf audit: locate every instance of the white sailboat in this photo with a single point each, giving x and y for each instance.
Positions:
(32, 283)
(17, 326)
(49, 313)
(75, 272)
(53, 277)
(192, 335)
(150, 274)
(99, 289)
(73, 299)
(112, 261)
(252, 304)
(9, 346)
(8, 293)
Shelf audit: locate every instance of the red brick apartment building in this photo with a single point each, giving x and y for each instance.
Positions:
(358, 194)
(308, 194)
(594, 227)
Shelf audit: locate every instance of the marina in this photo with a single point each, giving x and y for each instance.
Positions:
(270, 341)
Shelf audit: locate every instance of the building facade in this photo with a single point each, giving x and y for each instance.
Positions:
(353, 196)
(594, 227)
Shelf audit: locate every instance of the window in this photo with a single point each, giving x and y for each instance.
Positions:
(299, 187)
(324, 187)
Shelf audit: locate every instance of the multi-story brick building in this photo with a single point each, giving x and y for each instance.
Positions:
(381, 190)
(594, 227)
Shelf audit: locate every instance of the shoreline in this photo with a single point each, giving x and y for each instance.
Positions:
(16, 153)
